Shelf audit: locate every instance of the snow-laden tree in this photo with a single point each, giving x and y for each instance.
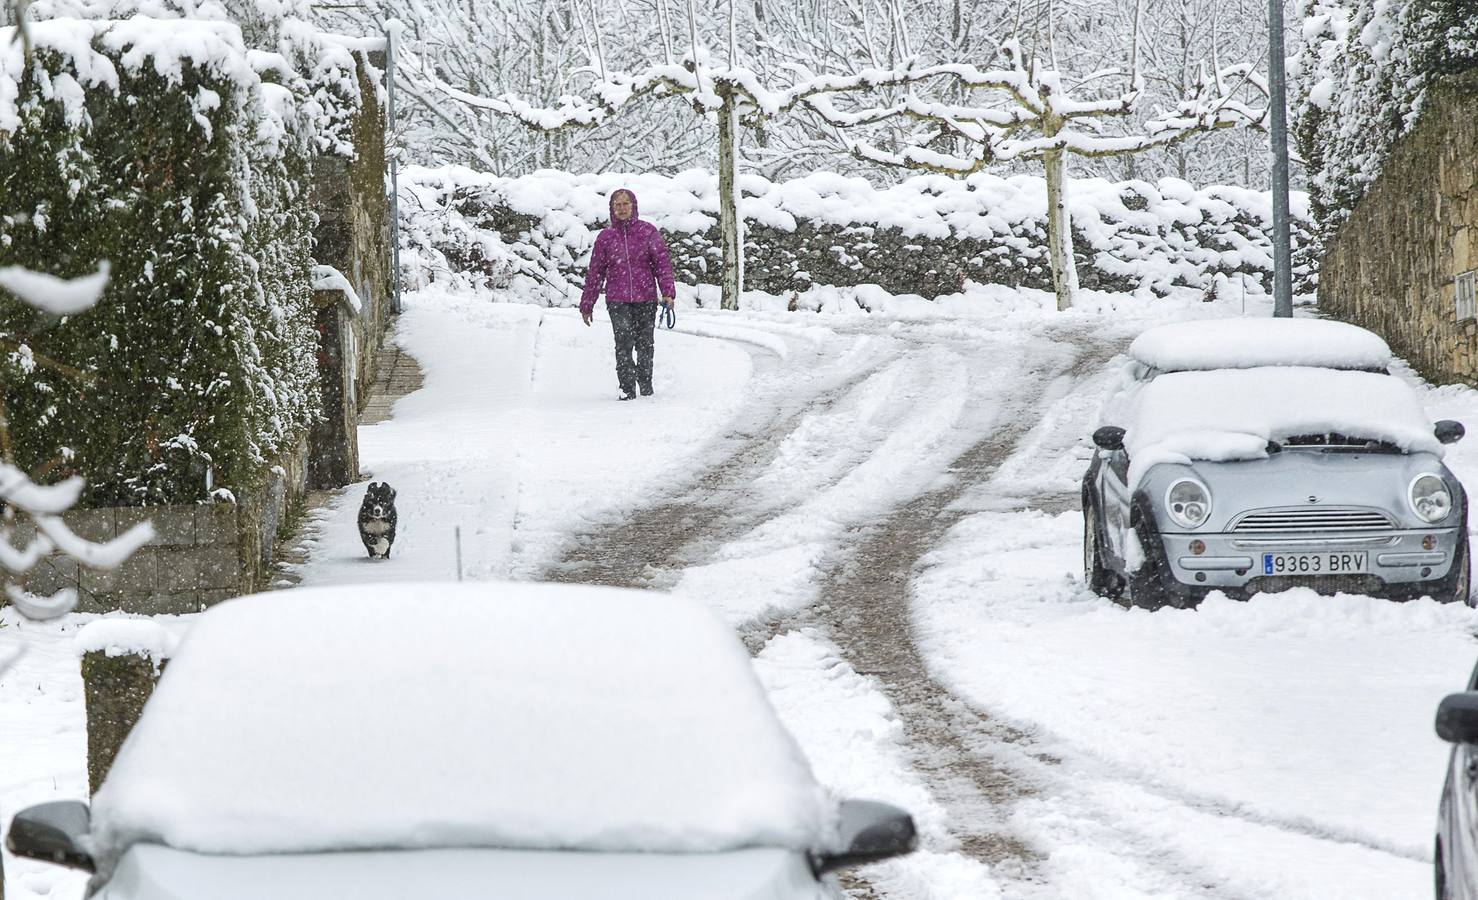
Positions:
(1024, 111)
(1359, 81)
(726, 91)
(543, 50)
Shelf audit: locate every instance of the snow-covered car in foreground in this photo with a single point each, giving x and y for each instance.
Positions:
(460, 741)
(1249, 455)
(1455, 856)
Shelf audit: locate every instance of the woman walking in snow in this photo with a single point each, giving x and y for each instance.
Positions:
(630, 261)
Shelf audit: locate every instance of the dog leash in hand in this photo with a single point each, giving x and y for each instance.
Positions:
(667, 315)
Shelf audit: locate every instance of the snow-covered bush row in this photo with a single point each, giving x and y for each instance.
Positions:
(181, 156)
(1360, 80)
(282, 46)
(927, 235)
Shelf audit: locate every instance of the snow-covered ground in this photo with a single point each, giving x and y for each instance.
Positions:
(1281, 747)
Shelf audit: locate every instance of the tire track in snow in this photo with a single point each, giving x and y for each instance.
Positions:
(684, 526)
(976, 767)
(866, 613)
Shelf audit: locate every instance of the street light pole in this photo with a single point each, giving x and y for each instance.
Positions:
(1278, 100)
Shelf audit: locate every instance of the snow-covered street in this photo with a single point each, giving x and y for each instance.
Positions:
(885, 505)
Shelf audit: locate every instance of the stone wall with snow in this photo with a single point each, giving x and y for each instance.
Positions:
(353, 288)
(200, 555)
(352, 232)
(1394, 264)
(926, 235)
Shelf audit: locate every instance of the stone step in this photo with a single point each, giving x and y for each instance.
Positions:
(398, 375)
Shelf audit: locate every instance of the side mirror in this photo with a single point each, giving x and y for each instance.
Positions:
(1109, 437)
(1457, 718)
(870, 832)
(53, 832)
(1449, 432)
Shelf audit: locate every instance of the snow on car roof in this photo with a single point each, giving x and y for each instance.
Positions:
(1231, 414)
(434, 715)
(1248, 343)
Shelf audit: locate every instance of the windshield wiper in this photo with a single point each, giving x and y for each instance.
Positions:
(1336, 441)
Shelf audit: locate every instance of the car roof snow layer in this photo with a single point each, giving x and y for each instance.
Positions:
(1249, 343)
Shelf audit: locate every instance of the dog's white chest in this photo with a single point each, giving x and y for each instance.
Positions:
(375, 526)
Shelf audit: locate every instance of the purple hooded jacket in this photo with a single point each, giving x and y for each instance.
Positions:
(630, 260)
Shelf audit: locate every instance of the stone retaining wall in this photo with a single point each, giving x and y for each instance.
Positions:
(1393, 265)
(200, 554)
(1126, 236)
(193, 562)
(354, 231)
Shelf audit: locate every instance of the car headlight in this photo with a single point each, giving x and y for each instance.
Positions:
(1430, 498)
(1188, 503)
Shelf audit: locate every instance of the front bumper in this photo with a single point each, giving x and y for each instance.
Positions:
(1394, 561)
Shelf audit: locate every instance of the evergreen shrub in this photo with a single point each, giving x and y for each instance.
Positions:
(188, 174)
(1359, 83)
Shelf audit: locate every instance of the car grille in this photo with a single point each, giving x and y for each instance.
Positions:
(1369, 585)
(1312, 520)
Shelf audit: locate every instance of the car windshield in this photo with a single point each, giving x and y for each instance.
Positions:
(1230, 414)
(1336, 441)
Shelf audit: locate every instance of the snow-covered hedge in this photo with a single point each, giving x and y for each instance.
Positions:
(1360, 81)
(926, 235)
(180, 156)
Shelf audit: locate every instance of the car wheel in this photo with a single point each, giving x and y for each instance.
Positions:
(1463, 588)
(1439, 875)
(1146, 587)
(1454, 587)
(1099, 579)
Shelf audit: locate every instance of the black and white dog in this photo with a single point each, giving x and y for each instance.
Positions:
(377, 519)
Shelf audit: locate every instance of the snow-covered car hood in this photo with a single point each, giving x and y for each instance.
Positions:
(460, 715)
(1287, 480)
(154, 872)
(1231, 414)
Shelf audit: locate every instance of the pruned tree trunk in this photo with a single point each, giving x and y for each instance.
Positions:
(1060, 230)
(730, 226)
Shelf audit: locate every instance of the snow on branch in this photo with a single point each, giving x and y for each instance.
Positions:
(1045, 107)
(21, 561)
(705, 86)
(36, 606)
(58, 296)
(44, 504)
(923, 158)
(98, 556)
(17, 490)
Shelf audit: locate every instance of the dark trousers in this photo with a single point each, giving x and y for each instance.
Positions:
(632, 325)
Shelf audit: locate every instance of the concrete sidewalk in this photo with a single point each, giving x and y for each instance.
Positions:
(397, 375)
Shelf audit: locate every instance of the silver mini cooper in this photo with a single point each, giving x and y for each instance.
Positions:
(1253, 455)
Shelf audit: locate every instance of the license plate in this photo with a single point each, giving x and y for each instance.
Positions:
(1314, 563)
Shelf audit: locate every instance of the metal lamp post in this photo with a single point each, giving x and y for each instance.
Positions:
(1277, 99)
